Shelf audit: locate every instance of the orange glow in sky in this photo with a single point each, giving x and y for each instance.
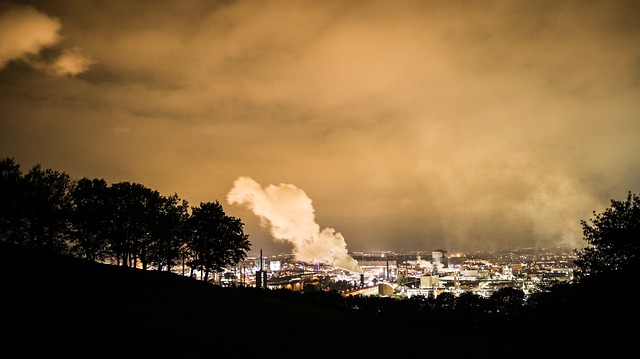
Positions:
(415, 125)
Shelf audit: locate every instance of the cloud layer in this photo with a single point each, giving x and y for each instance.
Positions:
(413, 125)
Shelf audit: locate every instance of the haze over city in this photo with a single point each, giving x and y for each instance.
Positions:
(330, 126)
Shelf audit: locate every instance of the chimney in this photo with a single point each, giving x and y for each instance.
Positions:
(261, 275)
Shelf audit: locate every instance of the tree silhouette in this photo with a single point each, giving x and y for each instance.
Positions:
(11, 202)
(133, 209)
(216, 240)
(508, 301)
(47, 200)
(612, 239)
(125, 223)
(168, 231)
(91, 219)
(470, 310)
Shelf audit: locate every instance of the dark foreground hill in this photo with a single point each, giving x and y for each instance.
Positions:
(56, 305)
(59, 305)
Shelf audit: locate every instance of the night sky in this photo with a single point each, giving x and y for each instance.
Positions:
(329, 126)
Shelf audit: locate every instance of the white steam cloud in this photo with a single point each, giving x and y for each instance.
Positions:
(25, 32)
(288, 213)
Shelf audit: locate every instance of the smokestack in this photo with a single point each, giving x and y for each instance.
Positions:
(387, 269)
(261, 275)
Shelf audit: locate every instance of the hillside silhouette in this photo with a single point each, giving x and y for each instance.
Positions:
(53, 304)
(58, 304)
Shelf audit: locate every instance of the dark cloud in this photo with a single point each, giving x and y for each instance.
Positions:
(414, 125)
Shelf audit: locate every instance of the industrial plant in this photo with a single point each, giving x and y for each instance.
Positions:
(406, 274)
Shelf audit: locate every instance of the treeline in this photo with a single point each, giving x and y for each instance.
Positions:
(123, 223)
(131, 225)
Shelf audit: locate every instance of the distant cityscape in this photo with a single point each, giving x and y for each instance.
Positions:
(406, 274)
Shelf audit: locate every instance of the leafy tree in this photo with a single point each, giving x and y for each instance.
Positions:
(613, 239)
(91, 219)
(445, 301)
(133, 207)
(11, 202)
(469, 302)
(48, 205)
(146, 245)
(125, 222)
(168, 231)
(508, 301)
(470, 310)
(216, 240)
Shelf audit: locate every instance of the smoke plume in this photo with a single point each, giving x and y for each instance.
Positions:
(288, 213)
